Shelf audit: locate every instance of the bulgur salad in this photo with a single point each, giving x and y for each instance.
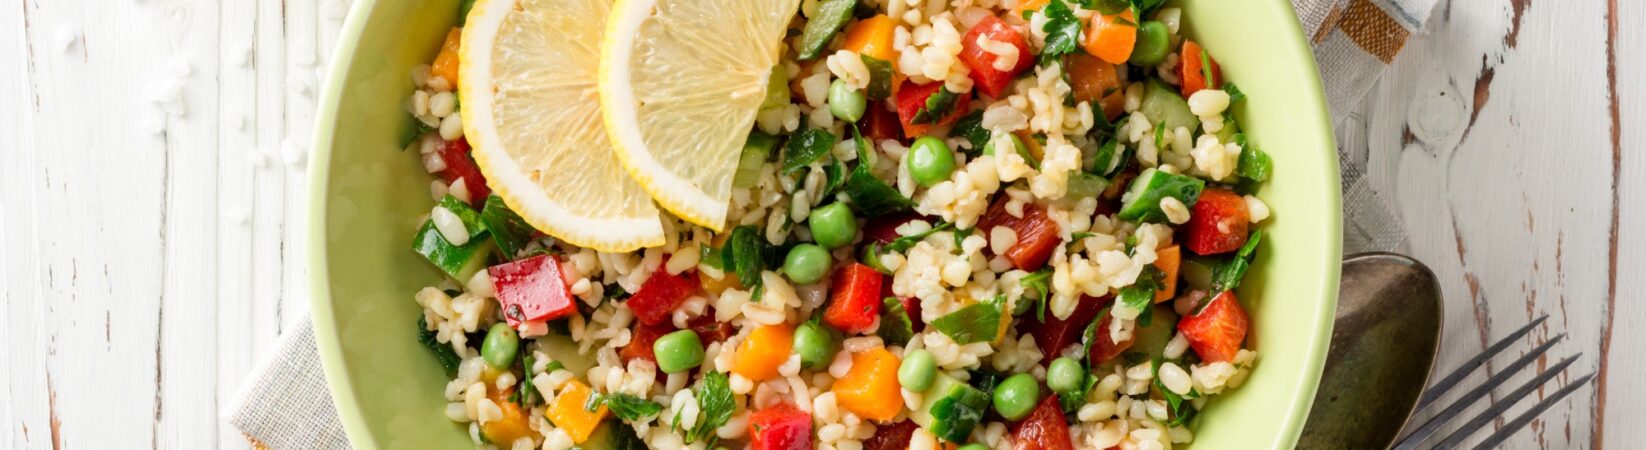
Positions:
(972, 224)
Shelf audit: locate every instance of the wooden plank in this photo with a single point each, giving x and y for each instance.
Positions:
(1491, 134)
(1620, 391)
(236, 327)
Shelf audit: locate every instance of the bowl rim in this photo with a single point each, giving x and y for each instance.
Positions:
(324, 322)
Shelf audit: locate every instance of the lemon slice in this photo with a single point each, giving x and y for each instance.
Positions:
(531, 113)
(680, 83)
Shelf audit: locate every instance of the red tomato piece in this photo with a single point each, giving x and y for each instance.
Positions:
(990, 80)
(1044, 429)
(912, 97)
(640, 343)
(880, 124)
(1217, 223)
(894, 436)
(1215, 334)
(780, 427)
(855, 304)
(1192, 70)
(660, 295)
(1055, 334)
(1036, 233)
(532, 290)
(883, 229)
(460, 166)
(1104, 348)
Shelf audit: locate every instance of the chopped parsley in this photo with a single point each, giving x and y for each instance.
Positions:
(1062, 31)
(938, 105)
(805, 147)
(714, 399)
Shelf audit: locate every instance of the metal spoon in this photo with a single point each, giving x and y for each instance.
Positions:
(1384, 341)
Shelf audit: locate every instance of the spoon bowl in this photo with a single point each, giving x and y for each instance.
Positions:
(1384, 343)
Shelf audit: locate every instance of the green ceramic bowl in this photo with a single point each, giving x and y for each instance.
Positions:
(366, 196)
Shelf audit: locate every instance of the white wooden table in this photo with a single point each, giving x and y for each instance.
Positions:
(152, 173)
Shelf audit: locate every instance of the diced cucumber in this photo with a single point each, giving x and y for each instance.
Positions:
(1151, 340)
(1230, 129)
(1083, 185)
(951, 408)
(755, 151)
(612, 435)
(458, 262)
(470, 217)
(777, 88)
(1161, 104)
(1196, 272)
(561, 349)
(1142, 199)
(821, 27)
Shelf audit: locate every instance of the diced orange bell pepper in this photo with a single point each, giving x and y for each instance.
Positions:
(873, 37)
(870, 389)
(1097, 82)
(1112, 37)
(445, 64)
(763, 351)
(1168, 260)
(1192, 70)
(1028, 5)
(568, 413)
(514, 424)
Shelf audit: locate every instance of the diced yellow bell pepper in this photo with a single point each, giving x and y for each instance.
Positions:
(871, 389)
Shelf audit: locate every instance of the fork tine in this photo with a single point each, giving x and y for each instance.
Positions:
(1504, 404)
(1446, 384)
(1412, 440)
(1520, 422)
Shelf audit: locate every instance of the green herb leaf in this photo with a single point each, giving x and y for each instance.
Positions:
(1036, 287)
(805, 147)
(748, 254)
(629, 407)
(1062, 31)
(971, 128)
(830, 16)
(938, 105)
(511, 232)
(1235, 96)
(871, 195)
(1107, 7)
(1206, 71)
(443, 353)
(714, 399)
(834, 176)
(978, 322)
(895, 325)
(1228, 275)
(880, 78)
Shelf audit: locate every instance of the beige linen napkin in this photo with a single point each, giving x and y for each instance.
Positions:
(285, 404)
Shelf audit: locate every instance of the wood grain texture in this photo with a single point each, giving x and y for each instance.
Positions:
(1520, 202)
(152, 230)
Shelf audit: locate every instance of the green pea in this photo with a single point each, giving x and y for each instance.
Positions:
(930, 161)
(807, 263)
(846, 103)
(1153, 44)
(918, 371)
(974, 446)
(678, 351)
(1015, 398)
(1065, 375)
(816, 344)
(500, 346)
(833, 226)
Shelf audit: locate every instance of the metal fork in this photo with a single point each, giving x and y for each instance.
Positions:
(1445, 416)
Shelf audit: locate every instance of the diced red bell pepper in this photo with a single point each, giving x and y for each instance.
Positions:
(879, 124)
(1036, 233)
(912, 97)
(1103, 348)
(987, 78)
(1217, 223)
(459, 165)
(855, 304)
(1044, 429)
(532, 290)
(660, 295)
(1215, 334)
(708, 330)
(640, 343)
(912, 306)
(895, 436)
(1193, 72)
(1054, 335)
(780, 427)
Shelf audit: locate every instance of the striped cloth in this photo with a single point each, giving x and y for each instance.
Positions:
(285, 404)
